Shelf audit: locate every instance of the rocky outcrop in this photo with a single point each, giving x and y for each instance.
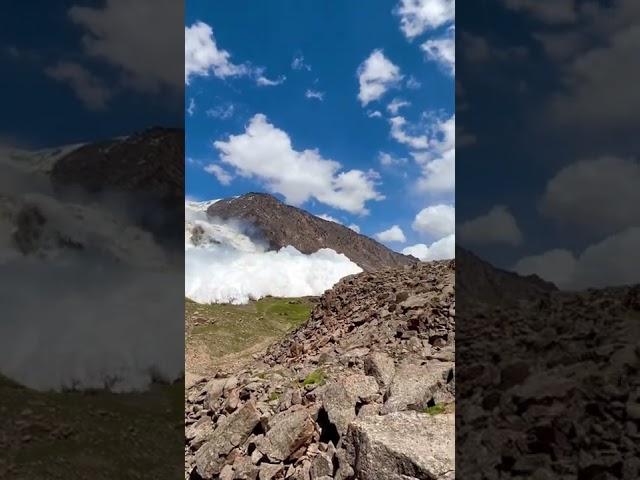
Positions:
(281, 225)
(549, 384)
(363, 391)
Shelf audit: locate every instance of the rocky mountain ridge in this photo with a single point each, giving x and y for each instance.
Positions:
(364, 390)
(280, 225)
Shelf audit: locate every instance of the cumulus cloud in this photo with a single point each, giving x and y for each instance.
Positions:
(314, 94)
(220, 173)
(438, 161)
(419, 16)
(376, 75)
(498, 226)
(442, 249)
(393, 234)
(556, 266)
(399, 133)
(611, 262)
(374, 114)
(589, 194)
(436, 220)
(113, 33)
(89, 89)
(442, 51)
(202, 55)
(396, 104)
(265, 152)
(354, 227)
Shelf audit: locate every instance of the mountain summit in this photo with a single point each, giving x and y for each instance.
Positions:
(281, 225)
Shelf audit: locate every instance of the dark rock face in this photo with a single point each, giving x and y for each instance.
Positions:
(281, 225)
(151, 162)
(363, 391)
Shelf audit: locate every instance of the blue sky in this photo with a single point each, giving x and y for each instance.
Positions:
(548, 178)
(303, 49)
(67, 78)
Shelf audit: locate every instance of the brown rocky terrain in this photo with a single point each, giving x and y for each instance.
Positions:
(150, 161)
(281, 225)
(549, 384)
(363, 390)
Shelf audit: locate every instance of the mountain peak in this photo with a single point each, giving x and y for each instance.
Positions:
(281, 225)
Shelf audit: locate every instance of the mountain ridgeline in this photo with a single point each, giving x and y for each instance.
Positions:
(280, 225)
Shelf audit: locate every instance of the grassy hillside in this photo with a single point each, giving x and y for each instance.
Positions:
(96, 435)
(221, 329)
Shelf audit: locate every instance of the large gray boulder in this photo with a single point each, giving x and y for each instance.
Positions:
(340, 399)
(402, 446)
(414, 386)
(231, 432)
(288, 431)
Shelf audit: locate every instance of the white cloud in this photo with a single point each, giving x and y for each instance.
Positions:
(442, 249)
(314, 94)
(556, 266)
(374, 114)
(265, 152)
(613, 261)
(442, 51)
(191, 109)
(202, 55)
(354, 227)
(221, 111)
(413, 83)
(398, 132)
(436, 220)
(393, 234)
(388, 160)
(589, 194)
(89, 89)
(496, 227)
(419, 16)
(220, 173)
(376, 75)
(329, 218)
(141, 38)
(298, 63)
(439, 161)
(263, 81)
(396, 104)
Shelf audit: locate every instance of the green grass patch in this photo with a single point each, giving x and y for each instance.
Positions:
(226, 329)
(317, 377)
(439, 408)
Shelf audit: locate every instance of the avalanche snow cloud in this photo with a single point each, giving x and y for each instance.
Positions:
(89, 299)
(225, 265)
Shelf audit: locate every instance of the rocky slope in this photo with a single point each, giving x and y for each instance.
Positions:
(364, 390)
(280, 225)
(548, 384)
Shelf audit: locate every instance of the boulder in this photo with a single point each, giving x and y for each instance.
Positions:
(381, 367)
(414, 386)
(288, 431)
(230, 433)
(340, 399)
(402, 445)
